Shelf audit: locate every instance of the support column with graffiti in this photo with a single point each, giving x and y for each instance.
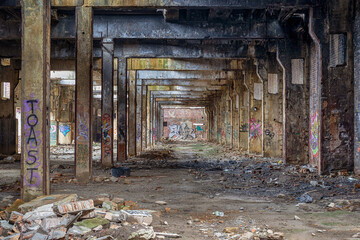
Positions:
(357, 89)
(35, 91)
(270, 73)
(122, 110)
(107, 103)
(132, 113)
(138, 117)
(143, 117)
(255, 110)
(292, 58)
(83, 92)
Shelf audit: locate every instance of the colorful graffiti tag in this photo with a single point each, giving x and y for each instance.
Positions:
(82, 147)
(106, 134)
(314, 135)
(64, 129)
(32, 177)
(83, 130)
(53, 133)
(255, 130)
(181, 131)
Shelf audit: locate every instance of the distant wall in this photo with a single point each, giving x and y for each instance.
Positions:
(184, 124)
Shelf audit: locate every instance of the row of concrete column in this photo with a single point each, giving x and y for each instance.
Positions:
(35, 94)
(268, 107)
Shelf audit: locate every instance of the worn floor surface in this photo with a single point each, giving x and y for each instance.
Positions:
(198, 179)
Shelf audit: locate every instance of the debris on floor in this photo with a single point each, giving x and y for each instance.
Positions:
(67, 217)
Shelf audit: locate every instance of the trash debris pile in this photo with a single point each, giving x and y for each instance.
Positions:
(68, 217)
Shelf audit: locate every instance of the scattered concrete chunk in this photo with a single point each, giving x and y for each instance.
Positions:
(143, 234)
(79, 230)
(92, 223)
(168, 235)
(138, 216)
(56, 199)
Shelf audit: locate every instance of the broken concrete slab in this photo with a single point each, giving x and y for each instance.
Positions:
(143, 234)
(56, 199)
(40, 213)
(15, 217)
(139, 216)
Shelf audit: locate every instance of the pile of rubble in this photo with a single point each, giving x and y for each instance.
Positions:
(67, 217)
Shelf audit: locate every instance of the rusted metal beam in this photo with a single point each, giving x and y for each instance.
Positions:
(83, 99)
(191, 82)
(154, 27)
(35, 90)
(240, 4)
(185, 75)
(172, 64)
(122, 110)
(107, 103)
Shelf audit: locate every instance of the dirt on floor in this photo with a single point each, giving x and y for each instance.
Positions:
(205, 191)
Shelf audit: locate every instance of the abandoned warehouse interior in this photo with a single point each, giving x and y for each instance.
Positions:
(222, 119)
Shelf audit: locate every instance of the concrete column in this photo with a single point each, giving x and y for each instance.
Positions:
(158, 120)
(151, 118)
(208, 123)
(83, 92)
(244, 114)
(35, 99)
(161, 124)
(219, 119)
(356, 41)
(107, 103)
(148, 115)
(256, 124)
(268, 70)
(223, 115)
(236, 113)
(122, 110)
(295, 101)
(138, 117)
(315, 96)
(143, 117)
(132, 113)
(334, 30)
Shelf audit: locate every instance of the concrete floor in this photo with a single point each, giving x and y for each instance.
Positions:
(197, 179)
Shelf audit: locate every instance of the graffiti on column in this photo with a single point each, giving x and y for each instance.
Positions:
(138, 132)
(83, 130)
(154, 134)
(32, 143)
(82, 148)
(255, 130)
(106, 132)
(314, 134)
(64, 129)
(53, 133)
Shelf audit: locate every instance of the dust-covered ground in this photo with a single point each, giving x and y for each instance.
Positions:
(198, 181)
